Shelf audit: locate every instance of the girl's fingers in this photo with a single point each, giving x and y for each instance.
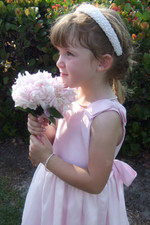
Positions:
(39, 149)
(30, 116)
(38, 145)
(45, 140)
(36, 131)
(34, 124)
(33, 139)
(34, 127)
(43, 120)
(42, 141)
(37, 125)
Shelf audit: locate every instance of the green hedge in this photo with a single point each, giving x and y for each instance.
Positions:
(136, 15)
(25, 46)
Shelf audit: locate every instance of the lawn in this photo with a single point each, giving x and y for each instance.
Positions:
(11, 203)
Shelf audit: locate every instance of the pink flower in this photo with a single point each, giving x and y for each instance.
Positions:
(40, 89)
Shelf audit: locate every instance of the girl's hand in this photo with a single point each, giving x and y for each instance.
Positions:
(36, 125)
(39, 150)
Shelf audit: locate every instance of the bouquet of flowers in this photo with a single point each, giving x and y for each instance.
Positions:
(41, 93)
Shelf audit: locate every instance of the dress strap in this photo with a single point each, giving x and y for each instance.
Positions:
(113, 98)
(100, 106)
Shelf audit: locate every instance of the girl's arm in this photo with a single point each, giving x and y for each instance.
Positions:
(106, 133)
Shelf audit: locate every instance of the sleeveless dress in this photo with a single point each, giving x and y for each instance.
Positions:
(51, 201)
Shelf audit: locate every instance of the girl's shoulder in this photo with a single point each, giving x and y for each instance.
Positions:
(104, 105)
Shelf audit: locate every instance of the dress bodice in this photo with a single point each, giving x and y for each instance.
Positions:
(73, 132)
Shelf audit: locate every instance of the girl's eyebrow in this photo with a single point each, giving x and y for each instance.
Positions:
(69, 49)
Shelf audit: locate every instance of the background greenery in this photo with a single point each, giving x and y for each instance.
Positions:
(25, 46)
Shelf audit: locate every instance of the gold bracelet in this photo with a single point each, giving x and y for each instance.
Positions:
(47, 161)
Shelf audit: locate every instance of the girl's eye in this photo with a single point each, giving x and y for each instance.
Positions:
(69, 53)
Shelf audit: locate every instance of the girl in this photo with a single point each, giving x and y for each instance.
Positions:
(78, 181)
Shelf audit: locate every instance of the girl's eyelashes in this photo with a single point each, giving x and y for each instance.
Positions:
(69, 53)
(65, 51)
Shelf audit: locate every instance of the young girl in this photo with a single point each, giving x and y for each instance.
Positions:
(78, 181)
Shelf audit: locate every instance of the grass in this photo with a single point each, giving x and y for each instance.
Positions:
(11, 203)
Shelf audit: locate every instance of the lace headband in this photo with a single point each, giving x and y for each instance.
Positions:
(105, 25)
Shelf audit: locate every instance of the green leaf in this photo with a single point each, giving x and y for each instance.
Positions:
(22, 29)
(127, 7)
(5, 80)
(3, 53)
(146, 61)
(54, 112)
(52, 119)
(134, 2)
(44, 49)
(134, 148)
(43, 33)
(19, 108)
(147, 140)
(139, 15)
(2, 116)
(27, 110)
(1, 22)
(40, 21)
(146, 16)
(55, 57)
(26, 43)
(135, 127)
(1, 4)
(10, 26)
(32, 62)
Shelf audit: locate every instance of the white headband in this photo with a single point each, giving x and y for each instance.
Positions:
(105, 25)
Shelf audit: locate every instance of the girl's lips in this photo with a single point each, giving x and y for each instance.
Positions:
(63, 74)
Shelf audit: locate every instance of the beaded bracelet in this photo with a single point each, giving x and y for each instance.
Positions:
(47, 161)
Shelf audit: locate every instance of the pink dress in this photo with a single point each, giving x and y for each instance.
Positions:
(51, 201)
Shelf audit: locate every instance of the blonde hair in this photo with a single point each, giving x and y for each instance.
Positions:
(78, 26)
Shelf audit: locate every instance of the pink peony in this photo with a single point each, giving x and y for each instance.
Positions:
(40, 89)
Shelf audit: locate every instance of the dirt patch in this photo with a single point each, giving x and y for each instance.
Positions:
(14, 163)
(138, 194)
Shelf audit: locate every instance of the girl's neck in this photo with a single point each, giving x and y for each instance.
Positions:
(85, 97)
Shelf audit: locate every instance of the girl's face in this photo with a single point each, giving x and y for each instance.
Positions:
(77, 66)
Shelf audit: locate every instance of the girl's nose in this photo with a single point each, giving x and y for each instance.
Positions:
(60, 62)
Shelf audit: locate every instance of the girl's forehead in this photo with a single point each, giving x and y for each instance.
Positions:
(73, 40)
(70, 42)
(74, 48)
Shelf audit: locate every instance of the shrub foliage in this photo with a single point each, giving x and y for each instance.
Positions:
(25, 46)
(136, 15)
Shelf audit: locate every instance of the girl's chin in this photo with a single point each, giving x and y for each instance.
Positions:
(65, 85)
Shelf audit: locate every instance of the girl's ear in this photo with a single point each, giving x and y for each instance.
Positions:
(105, 63)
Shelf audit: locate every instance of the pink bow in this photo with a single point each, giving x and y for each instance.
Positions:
(124, 172)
